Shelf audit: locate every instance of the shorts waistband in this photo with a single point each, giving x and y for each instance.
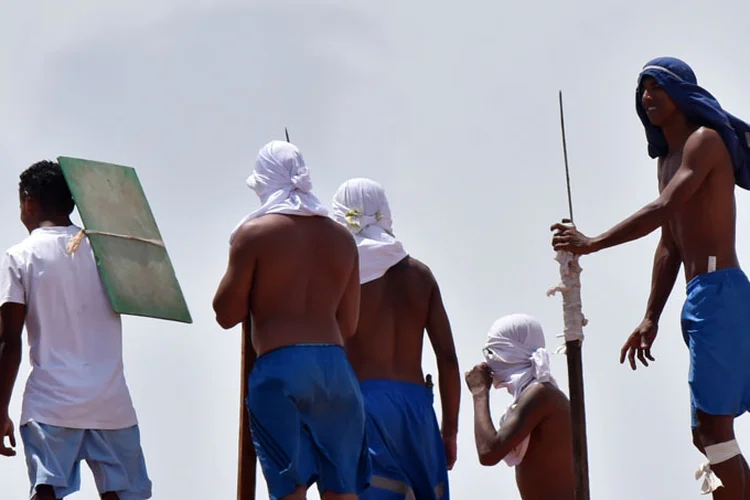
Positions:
(727, 273)
(409, 389)
(311, 346)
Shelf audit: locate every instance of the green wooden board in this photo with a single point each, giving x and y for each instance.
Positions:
(138, 276)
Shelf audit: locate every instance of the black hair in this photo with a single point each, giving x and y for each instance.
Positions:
(44, 183)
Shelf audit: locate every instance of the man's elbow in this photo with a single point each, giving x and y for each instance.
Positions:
(224, 318)
(664, 209)
(224, 323)
(487, 458)
(347, 325)
(447, 361)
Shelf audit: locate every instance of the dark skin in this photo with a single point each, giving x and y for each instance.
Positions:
(12, 319)
(696, 214)
(297, 278)
(543, 413)
(395, 310)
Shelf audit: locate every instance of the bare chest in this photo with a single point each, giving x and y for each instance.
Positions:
(668, 168)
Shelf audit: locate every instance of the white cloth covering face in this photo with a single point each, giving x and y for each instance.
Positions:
(516, 355)
(361, 206)
(282, 182)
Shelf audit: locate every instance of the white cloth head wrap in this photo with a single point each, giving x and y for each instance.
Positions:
(282, 182)
(361, 206)
(516, 356)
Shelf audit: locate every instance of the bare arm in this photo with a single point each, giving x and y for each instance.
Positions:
(439, 331)
(492, 445)
(347, 313)
(703, 150)
(232, 300)
(667, 263)
(12, 318)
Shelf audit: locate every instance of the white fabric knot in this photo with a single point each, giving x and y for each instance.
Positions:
(301, 180)
(362, 207)
(540, 360)
(354, 220)
(282, 182)
(711, 482)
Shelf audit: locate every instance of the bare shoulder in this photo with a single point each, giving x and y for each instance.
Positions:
(705, 144)
(340, 231)
(545, 396)
(420, 269)
(252, 230)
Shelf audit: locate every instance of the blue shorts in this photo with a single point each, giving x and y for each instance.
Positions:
(54, 454)
(308, 420)
(406, 447)
(716, 329)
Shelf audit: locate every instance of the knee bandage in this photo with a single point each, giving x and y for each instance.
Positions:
(716, 454)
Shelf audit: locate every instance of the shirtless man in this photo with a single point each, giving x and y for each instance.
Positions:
(400, 299)
(701, 153)
(535, 434)
(76, 405)
(293, 273)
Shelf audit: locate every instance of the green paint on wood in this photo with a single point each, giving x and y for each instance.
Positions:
(138, 276)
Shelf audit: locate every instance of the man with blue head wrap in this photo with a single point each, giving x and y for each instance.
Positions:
(702, 152)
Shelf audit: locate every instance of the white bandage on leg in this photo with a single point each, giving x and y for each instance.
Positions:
(716, 454)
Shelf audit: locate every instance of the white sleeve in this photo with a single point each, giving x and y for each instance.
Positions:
(11, 281)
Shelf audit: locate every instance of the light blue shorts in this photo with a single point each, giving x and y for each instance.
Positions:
(54, 454)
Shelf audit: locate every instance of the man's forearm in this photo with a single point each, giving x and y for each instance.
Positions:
(10, 360)
(638, 225)
(450, 395)
(667, 264)
(484, 431)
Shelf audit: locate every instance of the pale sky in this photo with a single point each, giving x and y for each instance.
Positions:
(452, 106)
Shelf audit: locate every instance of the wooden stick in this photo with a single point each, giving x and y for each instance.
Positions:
(246, 470)
(247, 457)
(578, 418)
(575, 371)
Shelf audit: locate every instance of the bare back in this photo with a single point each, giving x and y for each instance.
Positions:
(303, 266)
(705, 225)
(393, 316)
(546, 472)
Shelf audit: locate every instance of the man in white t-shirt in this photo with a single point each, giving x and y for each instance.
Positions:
(76, 405)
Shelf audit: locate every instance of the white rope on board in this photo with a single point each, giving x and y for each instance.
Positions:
(75, 241)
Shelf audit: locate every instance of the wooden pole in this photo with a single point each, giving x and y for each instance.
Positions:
(246, 470)
(578, 417)
(247, 457)
(573, 351)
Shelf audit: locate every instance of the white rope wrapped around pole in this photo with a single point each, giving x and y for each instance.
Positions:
(570, 287)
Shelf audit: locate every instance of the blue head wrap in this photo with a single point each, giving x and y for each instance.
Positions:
(701, 108)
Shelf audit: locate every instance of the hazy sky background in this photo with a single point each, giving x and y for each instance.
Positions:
(452, 106)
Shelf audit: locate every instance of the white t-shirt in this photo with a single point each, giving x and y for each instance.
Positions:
(75, 337)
